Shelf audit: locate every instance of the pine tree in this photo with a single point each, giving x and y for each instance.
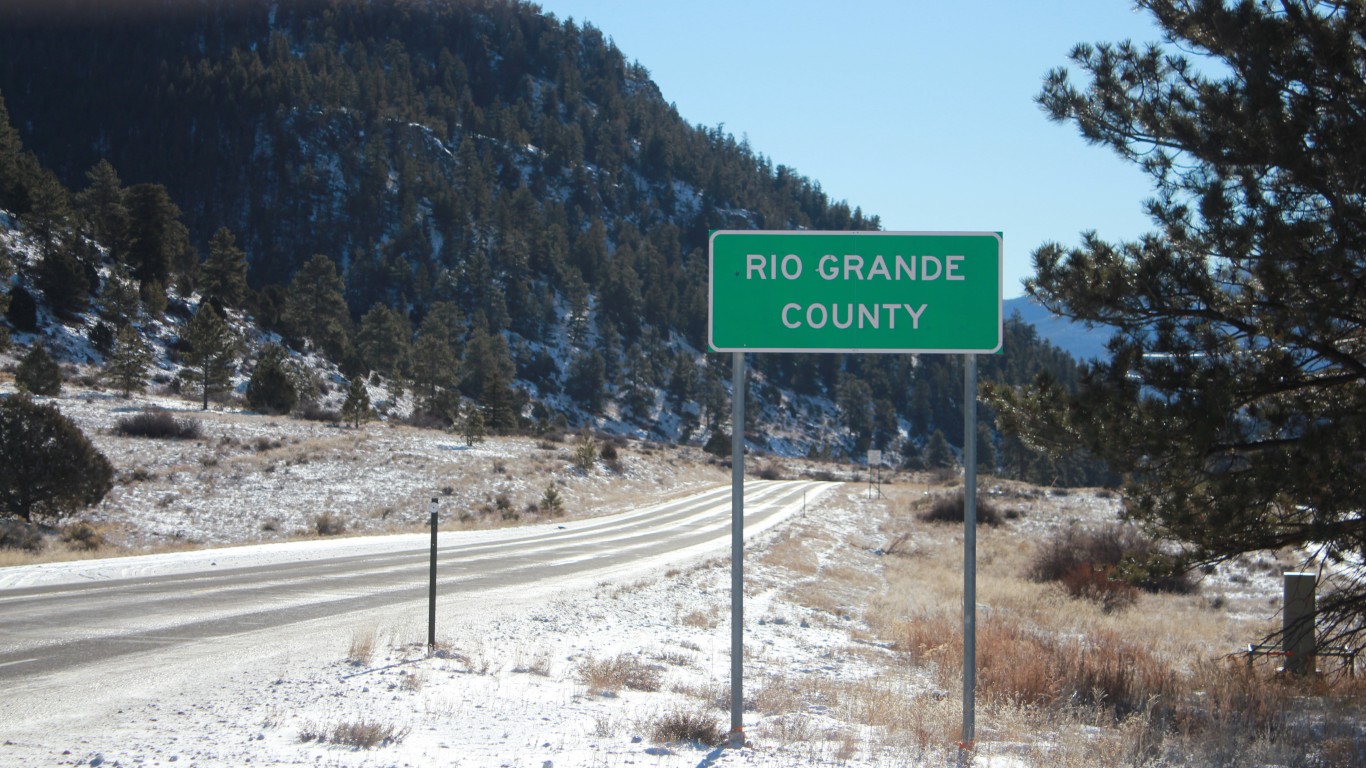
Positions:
(436, 375)
(118, 300)
(104, 204)
(51, 468)
(1235, 393)
(382, 341)
(937, 454)
(316, 308)
(472, 427)
(223, 276)
(6, 272)
(212, 355)
(158, 243)
(271, 388)
(38, 373)
(128, 363)
(356, 408)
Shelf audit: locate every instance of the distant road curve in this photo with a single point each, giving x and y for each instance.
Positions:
(99, 612)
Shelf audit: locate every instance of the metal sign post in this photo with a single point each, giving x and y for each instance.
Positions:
(431, 585)
(969, 551)
(737, 552)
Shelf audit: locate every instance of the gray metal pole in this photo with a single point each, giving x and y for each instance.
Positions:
(431, 587)
(969, 550)
(737, 552)
(1298, 623)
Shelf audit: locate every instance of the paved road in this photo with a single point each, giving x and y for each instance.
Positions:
(46, 629)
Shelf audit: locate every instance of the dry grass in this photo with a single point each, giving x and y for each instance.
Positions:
(362, 650)
(605, 677)
(692, 726)
(358, 734)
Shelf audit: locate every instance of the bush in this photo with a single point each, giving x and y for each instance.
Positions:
(315, 412)
(611, 675)
(83, 536)
(158, 424)
(686, 726)
(51, 468)
(328, 524)
(271, 388)
(1101, 563)
(949, 509)
(17, 534)
(38, 373)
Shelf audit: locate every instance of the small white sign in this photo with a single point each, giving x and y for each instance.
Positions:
(874, 458)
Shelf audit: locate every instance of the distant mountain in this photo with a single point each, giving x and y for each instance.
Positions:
(1075, 339)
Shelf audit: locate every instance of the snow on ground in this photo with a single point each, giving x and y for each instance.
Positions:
(510, 685)
(519, 676)
(253, 478)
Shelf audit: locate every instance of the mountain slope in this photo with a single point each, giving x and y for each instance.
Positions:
(476, 171)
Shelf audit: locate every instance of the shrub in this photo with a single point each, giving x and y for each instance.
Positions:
(315, 412)
(328, 524)
(686, 726)
(949, 509)
(51, 468)
(361, 734)
(271, 388)
(611, 675)
(159, 424)
(17, 534)
(38, 373)
(1085, 561)
(770, 471)
(83, 536)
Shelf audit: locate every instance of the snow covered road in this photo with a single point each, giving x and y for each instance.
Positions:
(67, 615)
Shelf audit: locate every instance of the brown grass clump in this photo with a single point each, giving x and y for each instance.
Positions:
(362, 649)
(607, 676)
(359, 734)
(686, 726)
(83, 536)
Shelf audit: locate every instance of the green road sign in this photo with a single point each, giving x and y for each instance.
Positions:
(802, 291)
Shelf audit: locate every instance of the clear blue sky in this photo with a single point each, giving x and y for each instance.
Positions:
(919, 112)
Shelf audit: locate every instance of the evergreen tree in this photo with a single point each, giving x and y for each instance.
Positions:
(356, 408)
(212, 355)
(118, 300)
(223, 276)
(382, 342)
(6, 272)
(937, 454)
(472, 428)
(22, 311)
(272, 388)
(316, 308)
(158, 242)
(51, 468)
(38, 373)
(128, 363)
(587, 381)
(62, 278)
(1235, 396)
(436, 376)
(103, 203)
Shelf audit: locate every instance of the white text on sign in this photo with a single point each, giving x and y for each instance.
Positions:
(853, 266)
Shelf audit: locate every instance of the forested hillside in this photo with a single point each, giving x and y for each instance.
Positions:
(493, 205)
